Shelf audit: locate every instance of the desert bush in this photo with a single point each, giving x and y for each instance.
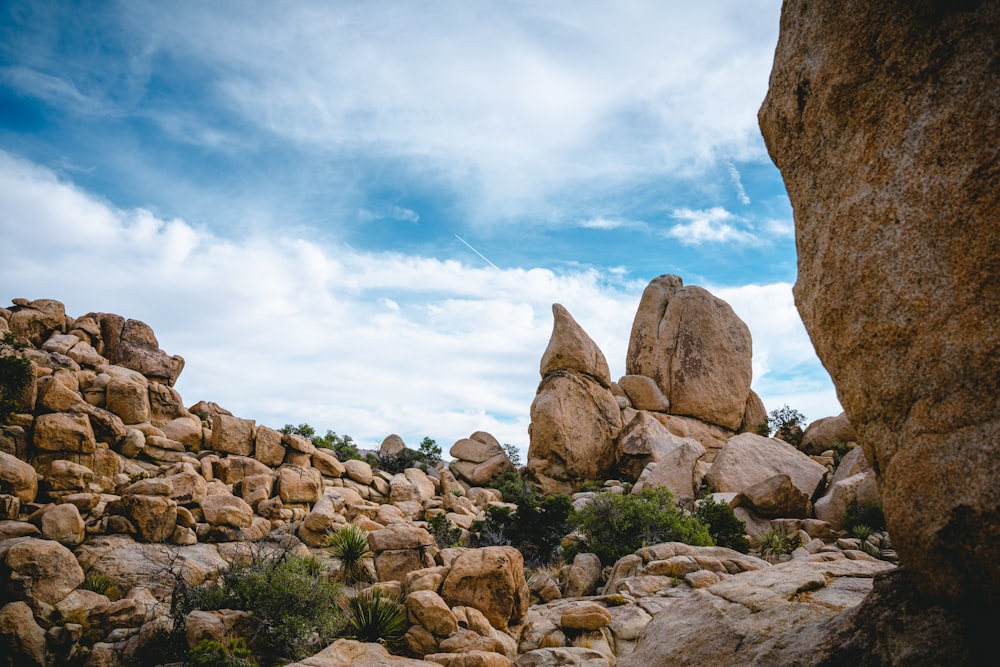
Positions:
(291, 602)
(376, 616)
(445, 533)
(535, 529)
(210, 653)
(773, 544)
(868, 513)
(15, 374)
(726, 530)
(616, 525)
(349, 545)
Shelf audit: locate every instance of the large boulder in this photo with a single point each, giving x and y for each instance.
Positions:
(696, 349)
(39, 572)
(574, 423)
(822, 434)
(645, 440)
(17, 478)
(491, 580)
(883, 120)
(749, 459)
(133, 344)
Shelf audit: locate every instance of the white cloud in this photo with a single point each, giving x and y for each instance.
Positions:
(602, 222)
(393, 212)
(708, 226)
(283, 329)
(509, 103)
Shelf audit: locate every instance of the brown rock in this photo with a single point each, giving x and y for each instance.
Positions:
(138, 349)
(696, 349)
(63, 524)
(350, 653)
(225, 510)
(185, 430)
(478, 447)
(268, 448)
(754, 415)
(644, 393)
(585, 616)
(399, 536)
(574, 423)
(64, 476)
(154, 517)
(491, 580)
(299, 485)
(775, 497)
(645, 440)
(232, 435)
(393, 444)
(583, 575)
(327, 463)
(571, 349)
(41, 571)
(127, 395)
(22, 637)
(18, 478)
(748, 459)
(823, 433)
(429, 610)
(888, 155)
(64, 432)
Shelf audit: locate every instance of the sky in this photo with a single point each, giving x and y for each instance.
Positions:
(358, 214)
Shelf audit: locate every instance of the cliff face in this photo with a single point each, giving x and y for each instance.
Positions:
(883, 118)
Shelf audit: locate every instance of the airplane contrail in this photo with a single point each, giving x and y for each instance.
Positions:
(481, 255)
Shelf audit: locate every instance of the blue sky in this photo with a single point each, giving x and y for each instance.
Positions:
(358, 214)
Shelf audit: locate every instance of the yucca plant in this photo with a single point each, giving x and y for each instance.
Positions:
(773, 544)
(862, 531)
(99, 583)
(349, 545)
(376, 616)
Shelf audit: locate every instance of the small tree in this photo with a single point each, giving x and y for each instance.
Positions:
(513, 453)
(430, 451)
(786, 423)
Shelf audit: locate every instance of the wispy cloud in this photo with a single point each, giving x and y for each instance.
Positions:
(734, 175)
(602, 222)
(392, 212)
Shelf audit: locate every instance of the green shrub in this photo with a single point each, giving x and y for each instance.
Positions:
(861, 531)
(15, 375)
(840, 450)
(349, 545)
(343, 447)
(535, 529)
(210, 653)
(868, 513)
(589, 485)
(726, 530)
(614, 525)
(445, 533)
(375, 616)
(292, 604)
(773, 544)
(99, 583)
(430, 451)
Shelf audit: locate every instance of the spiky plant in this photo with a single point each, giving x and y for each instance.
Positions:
(862, 531)
(773, 544)
(99, 583)
(871, 549)
(349, 545)
(376, 616)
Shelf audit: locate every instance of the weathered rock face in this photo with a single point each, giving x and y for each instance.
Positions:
(823, 433)
(696, 349)
(883, 120)
(491, 580)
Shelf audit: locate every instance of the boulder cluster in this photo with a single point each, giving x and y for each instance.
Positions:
(106, 475)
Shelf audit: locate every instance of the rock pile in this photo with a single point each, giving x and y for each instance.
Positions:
(686, 393)
(105, 475)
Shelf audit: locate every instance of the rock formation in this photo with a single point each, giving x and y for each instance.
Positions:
(696, 349)
(575, 418)
(883, 118)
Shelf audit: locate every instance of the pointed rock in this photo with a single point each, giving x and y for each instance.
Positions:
(571, 349)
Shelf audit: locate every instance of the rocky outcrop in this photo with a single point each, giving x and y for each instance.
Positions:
(749, 459)
(696, 349)
(575, 418)
(824, 433)
(883, 120)
(479, 459)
